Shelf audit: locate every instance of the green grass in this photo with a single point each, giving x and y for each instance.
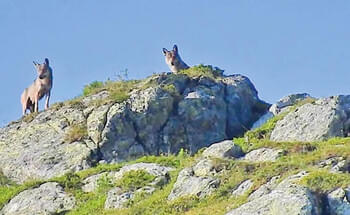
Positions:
(323, 181)
(202, 71)
(134, 180)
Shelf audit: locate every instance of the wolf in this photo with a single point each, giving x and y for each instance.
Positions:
(173, 59)
(41, 87)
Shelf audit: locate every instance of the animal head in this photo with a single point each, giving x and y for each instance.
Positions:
(172, 57)
(42, 69)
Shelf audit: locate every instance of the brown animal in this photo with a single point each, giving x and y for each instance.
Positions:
(38, 89)
(173, 59)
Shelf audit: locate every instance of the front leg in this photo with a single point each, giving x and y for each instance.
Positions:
(47, 100)
(36, 103)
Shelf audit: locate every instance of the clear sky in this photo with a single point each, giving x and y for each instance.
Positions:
(284, 46)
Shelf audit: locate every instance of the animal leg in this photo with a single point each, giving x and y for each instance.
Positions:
(47, 100)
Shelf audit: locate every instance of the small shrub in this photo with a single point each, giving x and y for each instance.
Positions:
(76, 133)
(135, 179)
(69, 181)
(92, 88)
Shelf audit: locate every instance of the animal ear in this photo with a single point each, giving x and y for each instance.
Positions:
(165, 51)
(175, 48)
(46, 61)
(35, 64)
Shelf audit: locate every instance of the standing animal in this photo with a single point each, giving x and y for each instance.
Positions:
(38, 89)
(173, 59)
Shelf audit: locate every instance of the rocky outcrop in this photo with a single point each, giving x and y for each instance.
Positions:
(287, 198)
(48, 198)
(282, 105)
(222, 150)
(164, 114)
(323, 119)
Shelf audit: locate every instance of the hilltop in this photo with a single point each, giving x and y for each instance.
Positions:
(179, 144)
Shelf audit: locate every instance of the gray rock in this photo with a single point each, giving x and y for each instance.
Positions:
(49, 198)
(188, 184)
(338, 202)
(204, 167)
(242, 188)
(263, 155)
(290, 100)
(318, 121)
(96, 123)
(265, 188)
(335, 164)
(117, 199)
(287, 198)
(37, 149)
(167, 113)
(224, 149)
(90, 184)
(280, 106)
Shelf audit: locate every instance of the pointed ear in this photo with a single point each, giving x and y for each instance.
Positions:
(35, 64)
(165, 51)
(175, 48)
(46, 61)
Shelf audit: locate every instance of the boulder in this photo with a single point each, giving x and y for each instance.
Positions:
(222, 150)
(48, 198)
(263, 155)
(323, 119)
(242, 188)
(287, 198)
(188, 184)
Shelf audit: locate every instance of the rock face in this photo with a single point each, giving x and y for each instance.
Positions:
(282, 105)
(49, 198)
(316, 121)
(287, 198)
(165, 114)
(188, 184)
(338, 202)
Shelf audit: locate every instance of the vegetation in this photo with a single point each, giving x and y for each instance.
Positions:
(76, 133)
(202, 71)
(134, 180)
(298, 157)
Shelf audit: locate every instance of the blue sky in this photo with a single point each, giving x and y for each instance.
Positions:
(284, 46)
